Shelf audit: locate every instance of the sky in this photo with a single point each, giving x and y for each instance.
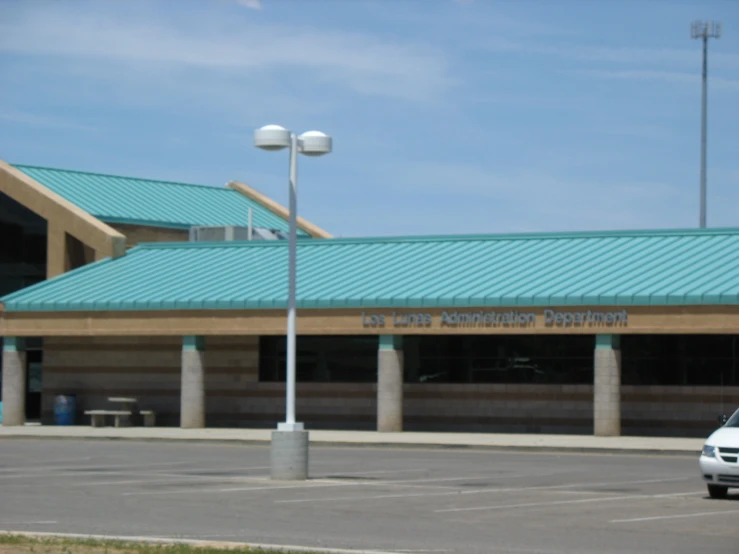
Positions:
(447, 116)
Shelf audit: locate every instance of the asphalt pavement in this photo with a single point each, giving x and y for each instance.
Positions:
(372, 498)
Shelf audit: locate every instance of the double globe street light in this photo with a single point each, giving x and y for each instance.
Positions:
(289, 452)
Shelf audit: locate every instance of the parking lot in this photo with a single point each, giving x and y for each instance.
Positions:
(381, 499)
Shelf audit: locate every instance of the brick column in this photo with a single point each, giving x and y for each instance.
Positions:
(390, 384)
(56, 251)
(607, 386)
(192, 401)
(14, 382)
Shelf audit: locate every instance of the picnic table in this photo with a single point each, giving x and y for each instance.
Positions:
(129, 404)
(128, 407)
(126, 416)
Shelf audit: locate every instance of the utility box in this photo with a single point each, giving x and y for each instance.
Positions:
(223, 233)
(218, 234)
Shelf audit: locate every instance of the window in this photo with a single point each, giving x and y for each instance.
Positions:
(545, 359)
(679, 360)
(436, 359)
(499, 359)
(332, 359)
(22, 248)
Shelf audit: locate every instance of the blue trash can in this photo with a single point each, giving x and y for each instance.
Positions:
(65, 408)
(1, 413)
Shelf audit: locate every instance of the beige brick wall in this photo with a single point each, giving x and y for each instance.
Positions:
(145, 368)
(652, 411)
(95, 368)
(484, 408)
(142, 233)
(675, 410)
(499, 407)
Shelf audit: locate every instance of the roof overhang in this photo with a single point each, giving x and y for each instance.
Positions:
(277, 209)
(60, 213)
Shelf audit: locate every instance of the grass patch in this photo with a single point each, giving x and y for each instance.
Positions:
(21, 544)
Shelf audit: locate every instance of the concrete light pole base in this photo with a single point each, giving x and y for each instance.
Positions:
(289, 455)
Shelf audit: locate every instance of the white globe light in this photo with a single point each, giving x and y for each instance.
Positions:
(314, 143)
(272, 137)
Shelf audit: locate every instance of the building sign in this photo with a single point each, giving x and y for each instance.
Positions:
(481, 318)
(588, 317)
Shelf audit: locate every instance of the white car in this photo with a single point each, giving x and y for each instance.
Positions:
(719, 461)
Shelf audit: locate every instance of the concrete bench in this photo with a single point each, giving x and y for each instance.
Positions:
(122, 418)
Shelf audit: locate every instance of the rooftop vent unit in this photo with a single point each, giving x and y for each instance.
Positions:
(233, 233)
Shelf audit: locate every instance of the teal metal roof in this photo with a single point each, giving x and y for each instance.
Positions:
(606, 268)
(116, 199)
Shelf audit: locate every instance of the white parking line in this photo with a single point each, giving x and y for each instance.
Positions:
(55, 471)
(164, 478)
(654, 518)
(412, 551)
(560, 502)
(389, 496)
(444, 479)
(154, 477)
(236, 489)
(61, 471)
(475, 491)
(60, 461)
(427, 487)
(27, 522)
(314, 483)
(153, 473)
(342, 473)
(211, 469)
(101, 465)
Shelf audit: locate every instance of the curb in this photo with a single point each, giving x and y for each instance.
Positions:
(390, 445)
(225, 545)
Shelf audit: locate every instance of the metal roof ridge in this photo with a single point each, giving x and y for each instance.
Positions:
(552, 235)
(558, 235)
(98, 174)
(181, 226)
(221, 244)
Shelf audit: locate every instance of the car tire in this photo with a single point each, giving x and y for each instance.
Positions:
(717, 491)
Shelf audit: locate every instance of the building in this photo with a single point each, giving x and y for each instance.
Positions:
(53, 221)
(629, 332)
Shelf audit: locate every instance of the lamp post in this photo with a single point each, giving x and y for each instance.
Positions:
(703, 31)
(289, 452)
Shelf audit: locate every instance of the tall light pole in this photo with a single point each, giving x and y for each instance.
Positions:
(289, 453)
(704, 30)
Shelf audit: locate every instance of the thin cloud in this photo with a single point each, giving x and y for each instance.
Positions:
(34, 120)
(644, 57)
(543, 200)
(662, 58)
(358, 61)
(252, 4)
(666, 76)
(645, 131)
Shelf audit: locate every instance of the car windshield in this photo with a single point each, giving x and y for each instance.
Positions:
(733, 420)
